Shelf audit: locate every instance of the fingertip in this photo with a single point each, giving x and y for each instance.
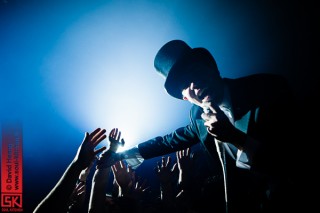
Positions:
(100, 150)
(174, 167)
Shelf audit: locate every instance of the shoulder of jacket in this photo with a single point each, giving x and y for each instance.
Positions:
(195, 112)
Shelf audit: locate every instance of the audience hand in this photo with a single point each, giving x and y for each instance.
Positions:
(86, 152)
(126, 180)
(110, 157)
(185, 162)
(85, 172)
(114, 138)
(77, 196)
(124, 176)
(164, 173)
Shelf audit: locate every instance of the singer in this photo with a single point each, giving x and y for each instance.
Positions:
(244, 125)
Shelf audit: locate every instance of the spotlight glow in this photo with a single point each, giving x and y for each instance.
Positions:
(101, 74)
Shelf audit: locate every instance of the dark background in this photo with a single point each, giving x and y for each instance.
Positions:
(48, 62)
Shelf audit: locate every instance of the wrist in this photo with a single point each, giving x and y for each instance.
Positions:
(166, 186)
(107, 159)
(127, 190)
(82, 181)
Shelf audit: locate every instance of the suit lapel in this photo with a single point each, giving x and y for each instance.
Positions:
(243, 123)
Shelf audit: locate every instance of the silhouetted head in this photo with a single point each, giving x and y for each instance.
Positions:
(180, 65)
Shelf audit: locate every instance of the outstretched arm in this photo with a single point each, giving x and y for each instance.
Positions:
(58, 197)
(101, 175)
(77, 197)
(166, 175)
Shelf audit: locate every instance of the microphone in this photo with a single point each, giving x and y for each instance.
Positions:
(221, 155)
(205, 107)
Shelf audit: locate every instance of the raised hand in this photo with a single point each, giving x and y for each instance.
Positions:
(140, 187)
(109, 157)
(86, 152)
(124, 176)
(58, 198)
(114, 138)
(77, 196)
(164, 172)
(185, 159)
(186, 165)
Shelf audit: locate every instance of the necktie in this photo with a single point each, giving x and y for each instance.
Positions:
(222, 148)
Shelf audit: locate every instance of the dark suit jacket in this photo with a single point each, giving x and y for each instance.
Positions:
(266, 98)
(264, 106)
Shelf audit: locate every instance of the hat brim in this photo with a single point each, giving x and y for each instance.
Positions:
(180, 74)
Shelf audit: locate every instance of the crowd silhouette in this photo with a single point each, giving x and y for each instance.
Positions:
(116, 188)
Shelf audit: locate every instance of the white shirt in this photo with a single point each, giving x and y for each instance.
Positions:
(242, 157)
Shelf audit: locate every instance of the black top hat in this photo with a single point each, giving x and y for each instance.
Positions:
(172, 62)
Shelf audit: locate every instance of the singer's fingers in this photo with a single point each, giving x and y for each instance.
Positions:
(209, 116)
(213, 107)
(191, 96)
(210, 131)
(191, 91)
(205, 116)
(211, 122)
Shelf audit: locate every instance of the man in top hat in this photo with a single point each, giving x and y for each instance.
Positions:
(243, 123)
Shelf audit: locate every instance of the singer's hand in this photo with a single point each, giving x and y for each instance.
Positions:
(190, 95)
(217, 123)
(219, 126)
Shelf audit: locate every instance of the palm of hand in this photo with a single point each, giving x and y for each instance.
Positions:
(163, 171)
(124, 177)
(164, 175)
(114, 138)
(109, 157)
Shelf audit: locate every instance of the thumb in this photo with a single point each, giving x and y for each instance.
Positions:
(86, 135)
(100, 150)
(122, 142)
(174, 168)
